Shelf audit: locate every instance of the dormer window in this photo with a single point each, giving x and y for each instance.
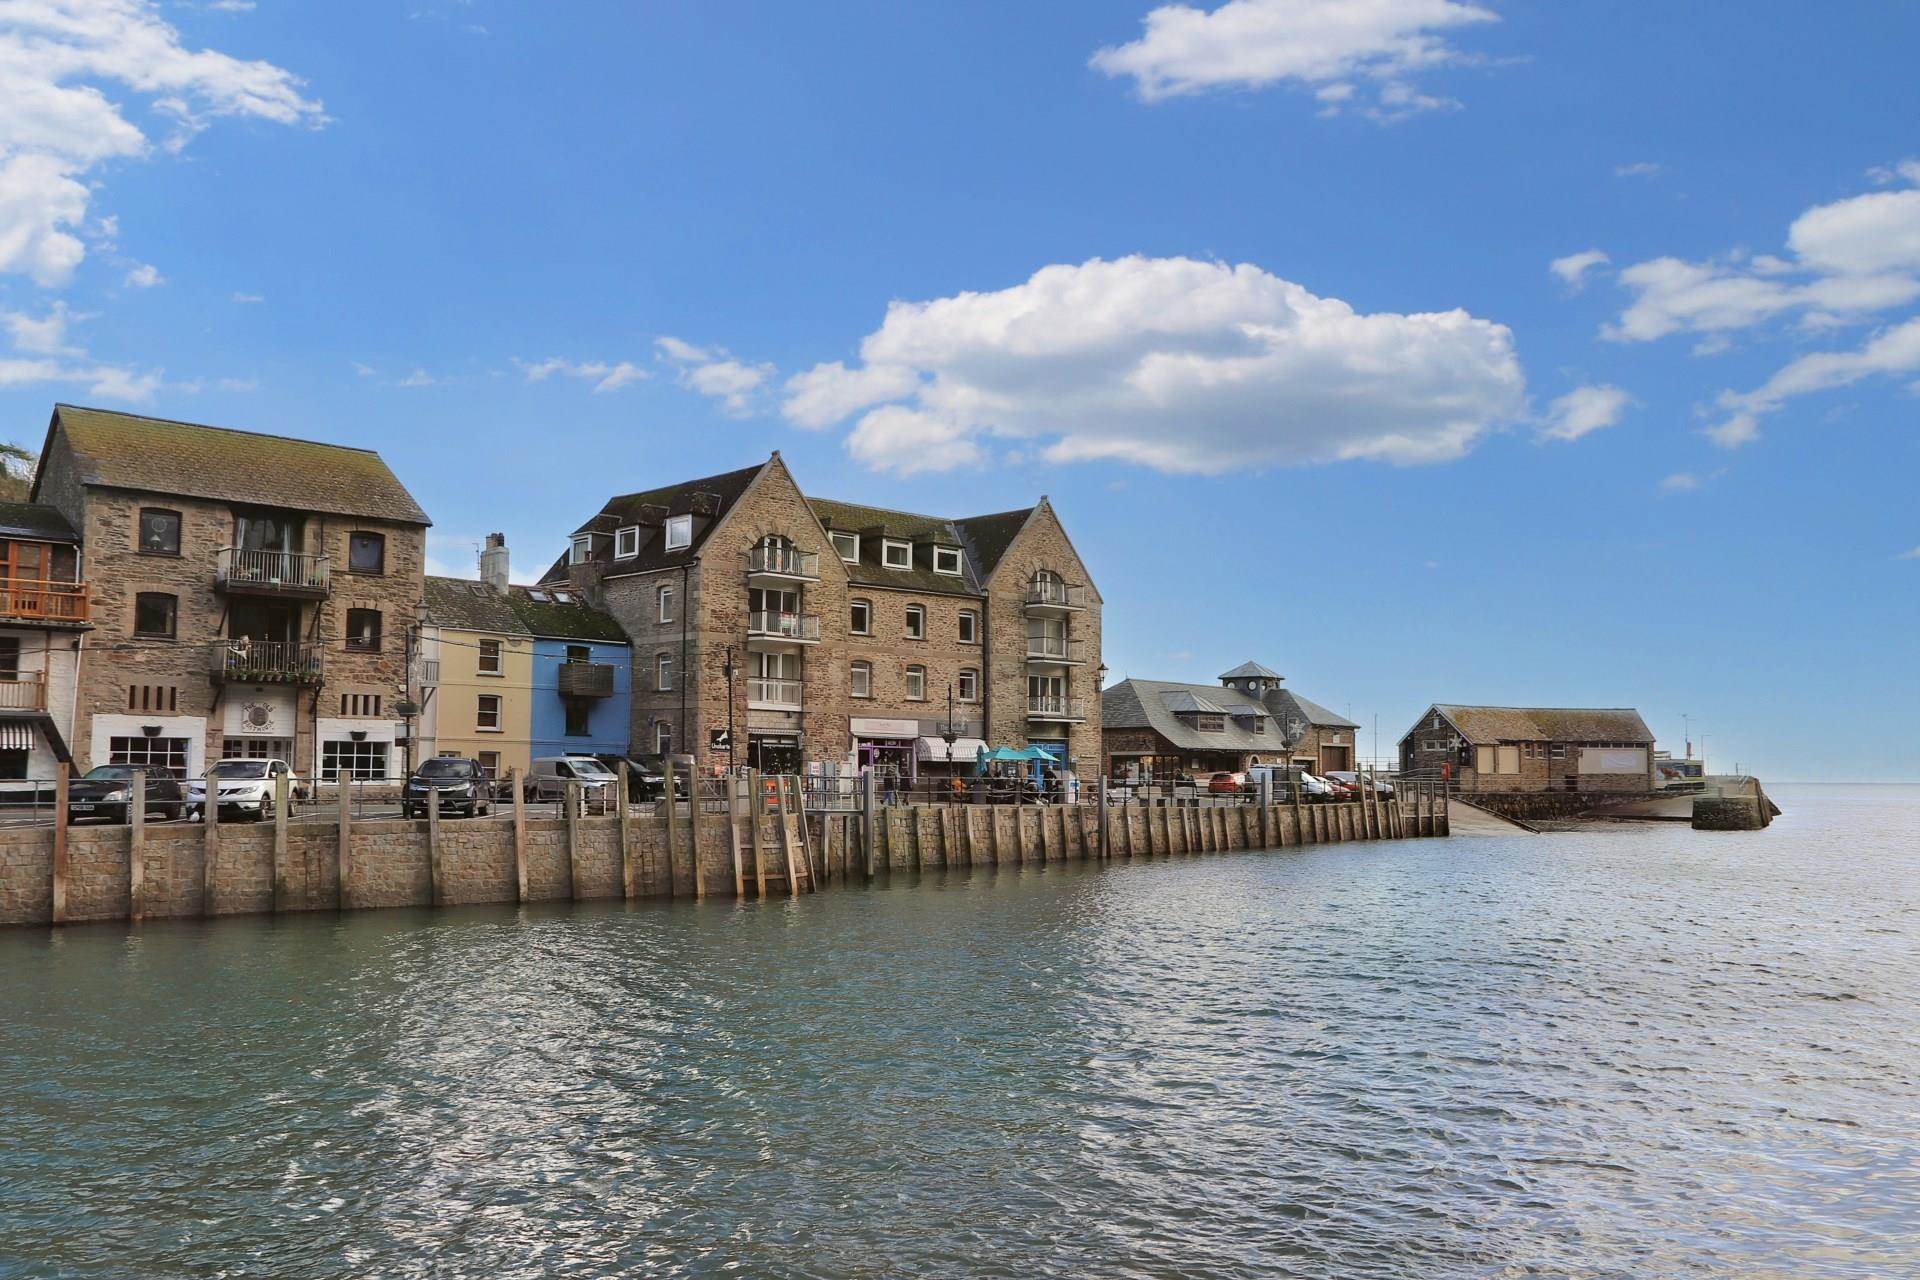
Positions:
(582, 549)
(846, 545)
(895, 554)
(1210, 724)
(679, 532)
(947, 560)
(626, 543)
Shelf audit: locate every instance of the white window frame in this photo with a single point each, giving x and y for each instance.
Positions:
(916, 612)
(860, 631)
(666, 602)
(835, 536)
(890, 545)
(679, 532)
(626, 542)
(498, 667)
(663, 738)
(940, 553)
(499, 713)
(916, 671)
(582, 549)
(968, 676)
(855, 674)
(663, 673)
(969, 627)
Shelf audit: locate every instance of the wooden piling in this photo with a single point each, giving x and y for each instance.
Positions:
(343, 782)
(756, 809)
(60, 818)
(137, 848)
(210, 847)
(623, 825)
(571, 798)
(518, 782)
(693, 822)
(786, 840)
(282, 801)
(436, 893)
(733, 836)
(667, 807)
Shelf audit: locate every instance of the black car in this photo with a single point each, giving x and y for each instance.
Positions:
(455, 785)
(646, 776)
(106, 791)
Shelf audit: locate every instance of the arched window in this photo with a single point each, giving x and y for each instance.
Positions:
(776, 553)
(1047, 587)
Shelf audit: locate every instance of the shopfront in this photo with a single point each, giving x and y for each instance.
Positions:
(887, 744)
(774, 752)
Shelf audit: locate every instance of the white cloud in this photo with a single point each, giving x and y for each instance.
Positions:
(247, 299)
(604, 376)
(144, 276)
(41, 335)
(1911, 555)
(1891, 351)
(1867, 235)
(1903, 171)
(59, 60)
(418, 378)
(46, 352)
(1638, 169)
(1573, 268)
(1680, 482)
(1325, 46)
(715, 373)
(1172, 363)
(1584, 410)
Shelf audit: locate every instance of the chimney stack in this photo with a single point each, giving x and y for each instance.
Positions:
(493, 563)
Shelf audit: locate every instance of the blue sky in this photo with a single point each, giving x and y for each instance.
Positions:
(1264, 295)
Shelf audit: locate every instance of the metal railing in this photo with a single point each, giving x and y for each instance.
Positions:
(1047, 594)
(24, 692)
(247, 661)
(41, 600)
(429, 672)
(1056, 709)
(803, 627)
(1055, 649)
(783, 562)
(283, 570)
(767, 692)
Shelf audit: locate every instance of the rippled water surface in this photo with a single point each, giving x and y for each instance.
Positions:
(1620, 1052)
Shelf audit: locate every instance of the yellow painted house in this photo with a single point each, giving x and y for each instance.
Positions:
(477, 666)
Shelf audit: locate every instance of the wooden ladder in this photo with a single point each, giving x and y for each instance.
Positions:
(756, 864)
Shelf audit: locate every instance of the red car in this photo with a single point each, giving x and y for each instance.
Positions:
(1223, 784)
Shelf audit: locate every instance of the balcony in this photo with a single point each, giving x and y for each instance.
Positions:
(769, 629)
(428, 673)
(34, 600)
(245, 661)
(24, 692)
(244, 571)
(585, 680)
(782, 564)
(1055, 598)
(773, 695)
(1057, 651)
(1058, 710)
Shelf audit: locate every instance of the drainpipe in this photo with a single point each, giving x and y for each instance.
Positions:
(686, 673)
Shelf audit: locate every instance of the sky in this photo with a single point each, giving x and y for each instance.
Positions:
(1422, 350)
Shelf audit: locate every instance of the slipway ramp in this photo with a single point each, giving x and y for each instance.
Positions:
(1464, 819)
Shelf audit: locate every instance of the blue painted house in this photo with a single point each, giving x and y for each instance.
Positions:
(582, 679)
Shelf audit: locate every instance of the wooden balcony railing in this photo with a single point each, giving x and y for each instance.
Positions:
(273, 570)
(37, 600)
(586, 680)
(246, 661)
(24, 692)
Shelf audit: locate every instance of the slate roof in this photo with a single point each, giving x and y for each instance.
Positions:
(158, 455)
(924, 532)
(1144, 704)
(1249, 670)
(34, 520)
(551, 620)
(648, 509)
(989, 536)
(1187, 702)
(1546, 724)
(1285, 704)
(463, 604)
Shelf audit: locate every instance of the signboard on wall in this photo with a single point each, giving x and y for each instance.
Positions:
(252, 712)
(1613, 760)
(872, 728)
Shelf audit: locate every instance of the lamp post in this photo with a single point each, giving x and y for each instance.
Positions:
(727, 669)
(407, 707)
(949, 732)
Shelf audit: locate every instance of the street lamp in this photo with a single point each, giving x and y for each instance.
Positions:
(727, 669)
(949, 732)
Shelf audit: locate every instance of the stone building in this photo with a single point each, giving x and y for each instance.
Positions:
(774, 630)
(510, 674)
(1156, 730)
(44, 618)
(251, 595)
(1531, 749)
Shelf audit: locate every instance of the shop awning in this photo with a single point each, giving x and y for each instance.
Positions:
(16, 735)
(965, 750)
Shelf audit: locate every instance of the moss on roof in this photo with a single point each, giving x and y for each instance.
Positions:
(549, 619)
(221, 464)
(34, 520)
(463, 604)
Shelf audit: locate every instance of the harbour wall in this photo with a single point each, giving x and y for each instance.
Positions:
(109, 873)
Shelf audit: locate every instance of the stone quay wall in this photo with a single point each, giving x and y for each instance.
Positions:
(108, 873)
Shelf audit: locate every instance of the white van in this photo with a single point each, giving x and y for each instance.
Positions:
(548, 778)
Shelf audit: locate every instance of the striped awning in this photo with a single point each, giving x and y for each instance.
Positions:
(16, 735)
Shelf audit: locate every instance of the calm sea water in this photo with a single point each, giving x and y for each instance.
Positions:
(1623, 1052)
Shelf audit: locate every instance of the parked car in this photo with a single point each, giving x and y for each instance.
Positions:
(1314, 788)
(1348, 778)
(549, 776)
(453, 784)
(106, 791)
(646, 775)
(244, 787)
(1223, 784)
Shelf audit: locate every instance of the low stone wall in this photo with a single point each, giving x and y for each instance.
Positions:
(190, 870)
(1547, 806)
